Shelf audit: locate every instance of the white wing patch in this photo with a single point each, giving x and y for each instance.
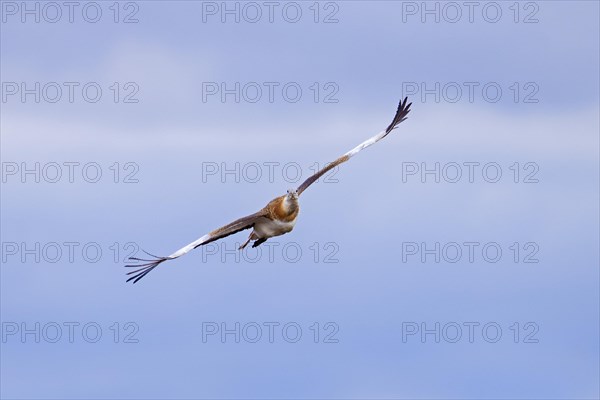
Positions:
(189, 247)
(366, 144)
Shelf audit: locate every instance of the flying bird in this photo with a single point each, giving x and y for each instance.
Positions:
(278, 217)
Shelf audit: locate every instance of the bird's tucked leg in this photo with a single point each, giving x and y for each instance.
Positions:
(259, 242)
(252, 236)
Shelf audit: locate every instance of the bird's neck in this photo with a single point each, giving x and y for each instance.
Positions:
(283, 208)
(290, 205)
(288, 209)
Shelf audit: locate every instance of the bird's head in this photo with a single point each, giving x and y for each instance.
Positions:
(292, 194)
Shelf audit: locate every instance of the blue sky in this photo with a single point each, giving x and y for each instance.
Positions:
(357, 269)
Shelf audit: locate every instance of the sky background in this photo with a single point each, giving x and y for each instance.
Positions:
(360, 267)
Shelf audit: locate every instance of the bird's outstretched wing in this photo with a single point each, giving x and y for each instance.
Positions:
(146, 265)
(403, 110)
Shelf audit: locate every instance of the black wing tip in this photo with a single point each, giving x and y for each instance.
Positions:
(144, 268)
(401, 114)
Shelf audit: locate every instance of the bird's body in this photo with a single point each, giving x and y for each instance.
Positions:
(277, 218)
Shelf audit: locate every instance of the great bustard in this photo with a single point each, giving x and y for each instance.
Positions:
(275, 219)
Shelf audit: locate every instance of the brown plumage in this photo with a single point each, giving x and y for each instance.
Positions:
(276, 210)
